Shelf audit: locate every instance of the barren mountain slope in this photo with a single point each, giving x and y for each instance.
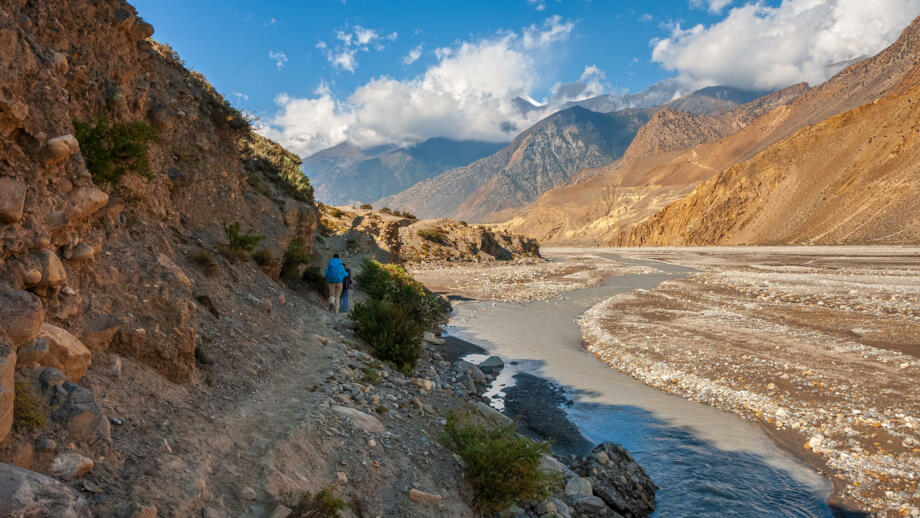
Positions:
(853, 179)
(562, 216)
(345, 174)
(542, 157)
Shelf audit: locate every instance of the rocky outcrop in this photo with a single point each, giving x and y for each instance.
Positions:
(64, 351)
(26, 493)
(21, 315)
(610, 474)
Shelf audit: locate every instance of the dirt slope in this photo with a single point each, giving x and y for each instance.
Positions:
(629, 192)
(853, 179)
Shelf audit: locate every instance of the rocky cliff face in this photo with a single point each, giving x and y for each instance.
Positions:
(603, 208)
(542, 157)
(347, 174)
(849, 180)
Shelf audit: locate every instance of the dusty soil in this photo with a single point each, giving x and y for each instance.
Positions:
(821, 345)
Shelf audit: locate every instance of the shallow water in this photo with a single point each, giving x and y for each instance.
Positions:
(706, 461)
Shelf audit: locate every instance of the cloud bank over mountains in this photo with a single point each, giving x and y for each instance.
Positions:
(761, 47)
(467, 92)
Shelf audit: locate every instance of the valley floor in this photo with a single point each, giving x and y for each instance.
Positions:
(821, 345)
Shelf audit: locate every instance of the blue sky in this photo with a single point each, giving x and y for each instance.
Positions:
(321, 71)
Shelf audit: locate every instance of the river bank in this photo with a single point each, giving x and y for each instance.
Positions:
(786, 436)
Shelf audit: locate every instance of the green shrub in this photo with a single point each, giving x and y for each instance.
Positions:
(239, 241)
(367, 206)
(391, 330)
(386, 210)
(314, 278)
(278, 165)
(263, 257)
(294, 255)
(323, 504)
(29, 412)
(502, 466)
(110, 151)
(435, 235)
(391, 282)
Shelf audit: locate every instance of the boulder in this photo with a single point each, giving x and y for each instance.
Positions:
(360, 419)
(29, 494)
(12, 199)
(59, 62)
(33, 352)
(52, 270)
(423, 383)
(65, 352)
(70, 465)
(98, 334)
(424, 498)
(82, 252)
(75, 407)
(7, 394)
(84, 201)
(578, 487)
(591, 506)
(493, 415)
(620, 482)
(60, 148)
(492, 363)
(21, 315)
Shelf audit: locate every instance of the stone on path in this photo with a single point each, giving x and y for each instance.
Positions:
(362, 420)
(70, 465)
(26, 493)
(424, 498)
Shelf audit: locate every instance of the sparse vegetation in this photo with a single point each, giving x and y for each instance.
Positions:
(264, 258)
(367, 206)
(399, 309)
(435, 235)
(335, 212)
(257, 182)
(370, 375)
(295, 254)
(323, 504)
(206, 261)
(502, 466)
(29, 412)
(463, 223)
(313, 277)
(111, 150)
(239, 241)
(404, 214)
(386, 210)
(279, 166)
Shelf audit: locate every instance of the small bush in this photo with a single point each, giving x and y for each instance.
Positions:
(335, 212)
(110, 151)
(239, 241)
(371, 375)
(406, 215)
(206, 261)
(435, 235)
(391, 330)
(502, 466)
(294, 255)
(263, 257)
(464, 224)
(367, 206)
(29, 412)
(391, 282)
(386, 210)
(323, 504)
(314, 278)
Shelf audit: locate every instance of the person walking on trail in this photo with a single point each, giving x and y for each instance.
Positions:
(335, 274)
(346, 285)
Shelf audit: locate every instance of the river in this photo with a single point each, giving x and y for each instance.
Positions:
(708, 463)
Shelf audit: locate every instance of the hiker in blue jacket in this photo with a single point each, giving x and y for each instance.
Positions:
(335, 274)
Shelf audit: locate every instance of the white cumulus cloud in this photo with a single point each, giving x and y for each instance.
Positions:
(759, 46)
(466, 94)
(278, 57)
(343, 54)
(413, 55)
(713, 6)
